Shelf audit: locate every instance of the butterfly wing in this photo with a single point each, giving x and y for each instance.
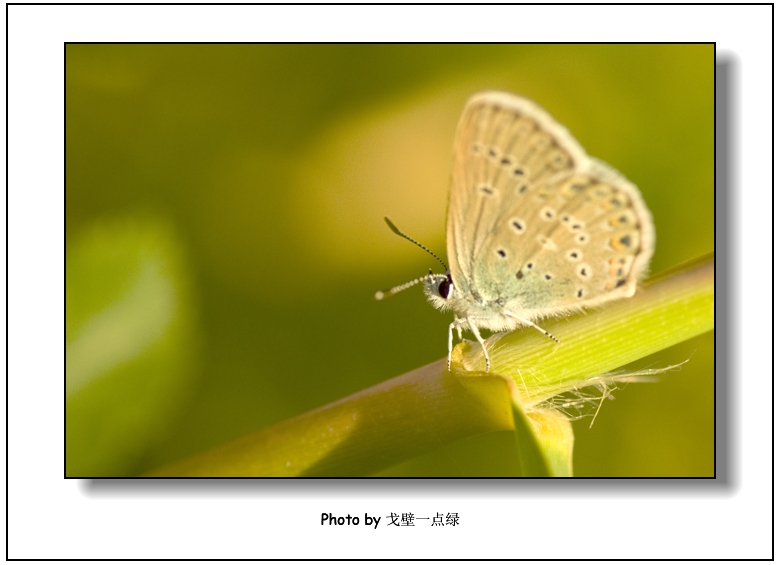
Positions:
(536, 226)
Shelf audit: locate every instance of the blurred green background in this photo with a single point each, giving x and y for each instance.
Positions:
(224, 235)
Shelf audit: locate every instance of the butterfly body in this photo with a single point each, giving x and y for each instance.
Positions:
(535, 227)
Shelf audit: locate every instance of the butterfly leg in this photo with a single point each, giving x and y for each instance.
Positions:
(530, 323)
(460, 332)
(481, 341)
(453, 326)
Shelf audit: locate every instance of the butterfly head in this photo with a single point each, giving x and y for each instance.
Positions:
(439, 289)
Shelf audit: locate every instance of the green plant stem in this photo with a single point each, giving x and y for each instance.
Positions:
(359, 434)
(667, 310)
(429, 407)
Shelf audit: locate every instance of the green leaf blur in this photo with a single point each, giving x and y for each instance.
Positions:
(130, 344)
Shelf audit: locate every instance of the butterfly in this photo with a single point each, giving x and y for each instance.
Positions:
(536, 228)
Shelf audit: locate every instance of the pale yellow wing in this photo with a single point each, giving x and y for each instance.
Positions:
(534, 224)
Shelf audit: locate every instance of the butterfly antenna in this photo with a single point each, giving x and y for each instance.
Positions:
(380, 294)
(417, 243)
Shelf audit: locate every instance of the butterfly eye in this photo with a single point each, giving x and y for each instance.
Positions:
(445, 288)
